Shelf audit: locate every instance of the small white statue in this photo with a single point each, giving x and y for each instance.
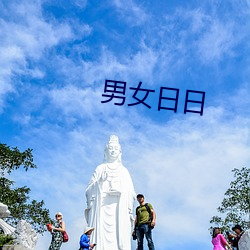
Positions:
(244, 242)
(4, 212)
(25, 235)
(110, 198)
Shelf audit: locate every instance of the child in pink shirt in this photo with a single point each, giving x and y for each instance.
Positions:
(218, 240)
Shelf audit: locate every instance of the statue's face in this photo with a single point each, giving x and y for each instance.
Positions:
(114, 150)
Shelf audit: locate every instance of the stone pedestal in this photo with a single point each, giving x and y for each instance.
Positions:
(13, 247)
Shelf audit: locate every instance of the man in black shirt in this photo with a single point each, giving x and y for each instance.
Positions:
(239, 231)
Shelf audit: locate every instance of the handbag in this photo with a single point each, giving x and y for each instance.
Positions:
(65, 236)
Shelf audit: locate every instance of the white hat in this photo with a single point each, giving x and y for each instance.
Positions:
(59, 213)
(87, 229)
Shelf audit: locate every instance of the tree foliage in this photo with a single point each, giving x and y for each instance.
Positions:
(17, 199)
(12, 159)
(6, 239)
(235, 206)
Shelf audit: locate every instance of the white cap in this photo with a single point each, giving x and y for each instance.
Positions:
(59, 213)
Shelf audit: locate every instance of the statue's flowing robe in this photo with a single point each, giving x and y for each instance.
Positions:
(110, 197)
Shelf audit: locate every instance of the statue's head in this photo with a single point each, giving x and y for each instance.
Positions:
(4, 211)
(113, 150)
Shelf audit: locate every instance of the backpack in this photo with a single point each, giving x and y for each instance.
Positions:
(149, 212)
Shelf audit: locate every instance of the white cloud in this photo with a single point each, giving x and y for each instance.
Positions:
(85, 73)
(80, 3)
(82, 102)
(26, 39)
(32, 33)
(131, 12)
(141, 65)
(217, 42)
(198, 19)
(200, 33)
(106, 66)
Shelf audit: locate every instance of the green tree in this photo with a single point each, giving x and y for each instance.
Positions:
(17, 199)
(235, 206)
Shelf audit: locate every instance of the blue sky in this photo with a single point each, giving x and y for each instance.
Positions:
(55, 57)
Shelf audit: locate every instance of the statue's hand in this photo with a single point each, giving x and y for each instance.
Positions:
(90, 201)
(132, 217)
(104, 176)
(90, 204)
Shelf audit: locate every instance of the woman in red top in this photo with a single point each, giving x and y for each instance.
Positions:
(218, 240)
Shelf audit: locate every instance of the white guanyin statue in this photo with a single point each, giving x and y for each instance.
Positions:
(110, 198)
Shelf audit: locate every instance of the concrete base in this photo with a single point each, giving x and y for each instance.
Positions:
(13, 247)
